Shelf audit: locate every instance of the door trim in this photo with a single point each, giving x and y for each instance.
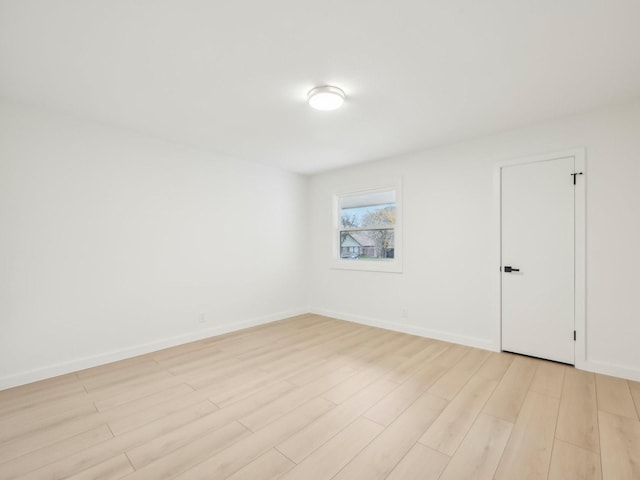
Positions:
(579, 155)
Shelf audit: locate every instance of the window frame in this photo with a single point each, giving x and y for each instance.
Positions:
(383, 265)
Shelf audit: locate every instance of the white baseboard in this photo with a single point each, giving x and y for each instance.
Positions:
(77, 364)
(610, 369)
(411, 329)
(588, 365)
(62, 368)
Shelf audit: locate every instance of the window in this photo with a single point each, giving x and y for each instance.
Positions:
(367, 233)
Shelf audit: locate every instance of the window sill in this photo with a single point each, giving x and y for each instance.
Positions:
(394, 266)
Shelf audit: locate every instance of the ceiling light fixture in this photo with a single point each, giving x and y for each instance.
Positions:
(325, 97)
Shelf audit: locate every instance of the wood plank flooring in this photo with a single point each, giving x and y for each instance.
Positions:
(316, 398)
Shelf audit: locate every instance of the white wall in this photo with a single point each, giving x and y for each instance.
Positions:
(113, 244)
(450, 266)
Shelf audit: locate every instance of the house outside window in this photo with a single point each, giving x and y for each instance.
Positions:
(367, 230)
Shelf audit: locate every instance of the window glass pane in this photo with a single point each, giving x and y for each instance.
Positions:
(366, 227)
(368, 210)
(375, 244)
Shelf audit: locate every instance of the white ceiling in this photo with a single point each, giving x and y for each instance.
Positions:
(232, 76)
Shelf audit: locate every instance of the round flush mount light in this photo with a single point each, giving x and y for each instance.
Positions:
(325, 98)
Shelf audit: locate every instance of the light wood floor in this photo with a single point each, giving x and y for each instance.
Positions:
(316, 398)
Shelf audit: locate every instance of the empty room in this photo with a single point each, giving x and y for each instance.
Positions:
(356, 240)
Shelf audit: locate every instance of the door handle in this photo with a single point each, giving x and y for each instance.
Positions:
(508, 269)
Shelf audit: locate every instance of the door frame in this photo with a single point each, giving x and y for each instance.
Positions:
(579, 154)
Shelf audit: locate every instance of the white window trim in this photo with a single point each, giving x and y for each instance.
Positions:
(389, 266)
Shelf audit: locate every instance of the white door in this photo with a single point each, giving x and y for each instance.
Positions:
(538, 248)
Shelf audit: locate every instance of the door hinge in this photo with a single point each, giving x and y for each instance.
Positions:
(574, 175)
(574, 335)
